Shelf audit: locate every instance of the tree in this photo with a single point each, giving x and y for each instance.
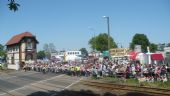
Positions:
(41, 55)
(168, 45)
(48, 49)
(52, 47)
(100, 42)
(92, 43)
(13, 6)
(140, 39)
(84, 52)
(153, 47)
(2, 51)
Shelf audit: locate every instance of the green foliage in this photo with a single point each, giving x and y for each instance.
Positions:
(153, 47)
(168, 45)
(84, 52)
(13, 6)
(110, 79)
(164, 85)
(100, 42)
(2, 51)
(140, 39)
(92, 43)
(132, 81)
(41, 55)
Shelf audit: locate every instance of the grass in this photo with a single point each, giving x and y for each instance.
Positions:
(163, 85)
(132, 81)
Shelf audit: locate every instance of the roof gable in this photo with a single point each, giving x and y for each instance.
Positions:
(17, 38)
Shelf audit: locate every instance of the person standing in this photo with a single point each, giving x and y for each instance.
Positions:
(44, 69)
(25, 67)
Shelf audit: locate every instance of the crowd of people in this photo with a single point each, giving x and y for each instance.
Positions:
(115, 68)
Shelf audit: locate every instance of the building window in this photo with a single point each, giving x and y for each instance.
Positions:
(12, 60)
(29, 57)
(29, 40)
(13, 49)
(8, 49)
(17, 48)
(29, 45)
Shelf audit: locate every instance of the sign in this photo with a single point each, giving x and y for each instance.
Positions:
(119, 52)
(105, 53)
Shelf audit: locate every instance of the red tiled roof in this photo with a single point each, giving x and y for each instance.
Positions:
(17, 38)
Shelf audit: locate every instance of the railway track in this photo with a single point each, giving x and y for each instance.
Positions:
(128, 88)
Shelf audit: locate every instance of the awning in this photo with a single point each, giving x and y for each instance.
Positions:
(157, 57)
(140, 56)
(133, 55)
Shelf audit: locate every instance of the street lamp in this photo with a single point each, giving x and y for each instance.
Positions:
(108, 29)
(94, 38)
(94, 43)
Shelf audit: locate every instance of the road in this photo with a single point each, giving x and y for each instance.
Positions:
(20, 83)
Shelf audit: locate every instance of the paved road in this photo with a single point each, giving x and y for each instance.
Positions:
(20, 83)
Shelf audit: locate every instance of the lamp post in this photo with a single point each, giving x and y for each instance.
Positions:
(94, 43)
(93, 37)
(108, 30)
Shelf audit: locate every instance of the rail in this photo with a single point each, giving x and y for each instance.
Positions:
(140, 89)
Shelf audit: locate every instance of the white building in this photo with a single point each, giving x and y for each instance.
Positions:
(68, 55)
(72, 55)
(167, 54)
(58, 55)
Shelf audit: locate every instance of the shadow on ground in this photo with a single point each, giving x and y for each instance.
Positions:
(81, 93)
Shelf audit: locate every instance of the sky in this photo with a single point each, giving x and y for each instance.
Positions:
(69, 24)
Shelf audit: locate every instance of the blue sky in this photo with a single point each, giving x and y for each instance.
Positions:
(67, 23)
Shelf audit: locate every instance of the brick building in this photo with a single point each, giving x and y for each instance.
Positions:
(21, 48)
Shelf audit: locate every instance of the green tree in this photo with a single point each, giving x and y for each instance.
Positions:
(140, 39)
(92, 43)
(13, 6)
(2, 51)
(84, 52)
(153, 47)
(41, 55)
(168, 45)
(100, 42)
